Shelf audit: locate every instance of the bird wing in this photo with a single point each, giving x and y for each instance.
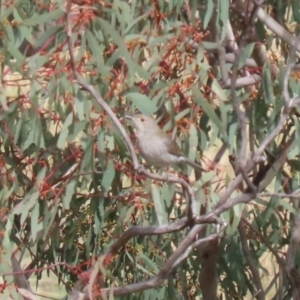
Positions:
(172, 146)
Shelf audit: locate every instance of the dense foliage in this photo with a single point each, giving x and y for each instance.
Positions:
(221, 76)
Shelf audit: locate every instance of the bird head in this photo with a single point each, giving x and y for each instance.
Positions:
(143, 123)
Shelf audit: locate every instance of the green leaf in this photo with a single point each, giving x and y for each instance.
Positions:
(82, 106)
(6, 295)
(223, 14)
(9, 32)
(288, 207)
(246, 54)
(47, 222)
(13, 51)
(94, 46)
(296, 10)
(142, 103)
(34, 220)
(268, 83)
(5, 193)
(132, 66)
(82, 50)
(36, 61)
(193, 142)
(294, 163)
(123, 219)
(151, 266)
(144, 270)
(131, 25)
(200, 198)
(87, 147)
(49, 33)
(219, 91)
(69, 194)
(65, 131)
(110, 142)
(108, 176)
(207, 107)
(167, 192)
(42, 173)
(235, 218)
(43, 18)
(26, 205)
(5, 12)
(123, 13)
(88, 237)
(209, 11)
(178, 117)
(158, 205)
(75, 129)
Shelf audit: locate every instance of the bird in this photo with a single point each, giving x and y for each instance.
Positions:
(156, 146)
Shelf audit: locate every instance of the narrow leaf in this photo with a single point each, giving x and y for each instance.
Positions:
(108, 176)
(143, 103)
(209, 11)
(35, 221)
(158, 204)
(207, 107)
(65, 131)
(43, 18)
(132, 66)
(69, 193)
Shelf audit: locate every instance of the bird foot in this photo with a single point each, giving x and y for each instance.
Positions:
(167, 177)
(140, 169)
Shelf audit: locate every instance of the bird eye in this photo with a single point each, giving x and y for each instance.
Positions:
(142, 119)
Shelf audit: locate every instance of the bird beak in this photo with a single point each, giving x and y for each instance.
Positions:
(128, 117)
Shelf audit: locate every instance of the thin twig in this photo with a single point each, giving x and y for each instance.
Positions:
(289, 103)
(262, 238)
(253, 265)
(175, 179)
(94, 92)
(164, 271)
(242, 120)
(169, 265)
(295, 194)
(199, 244)
(277, 28)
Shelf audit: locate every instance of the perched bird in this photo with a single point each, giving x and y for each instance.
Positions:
(157, 147)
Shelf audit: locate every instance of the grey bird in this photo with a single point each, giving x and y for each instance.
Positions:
(157, 147)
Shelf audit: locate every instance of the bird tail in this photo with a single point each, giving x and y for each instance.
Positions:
(193, 164)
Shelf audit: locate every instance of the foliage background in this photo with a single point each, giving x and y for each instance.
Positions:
(214, 73)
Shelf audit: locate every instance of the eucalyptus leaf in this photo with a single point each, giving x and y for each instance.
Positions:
(208, 14)
(143, 103)
(65, 131)
(159, 205)
(70, 190)
(207, 107)
(43, 18)
(245, 54)
(35, 221)
(108, 176)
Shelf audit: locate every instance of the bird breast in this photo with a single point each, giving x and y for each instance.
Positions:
(155, 151)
